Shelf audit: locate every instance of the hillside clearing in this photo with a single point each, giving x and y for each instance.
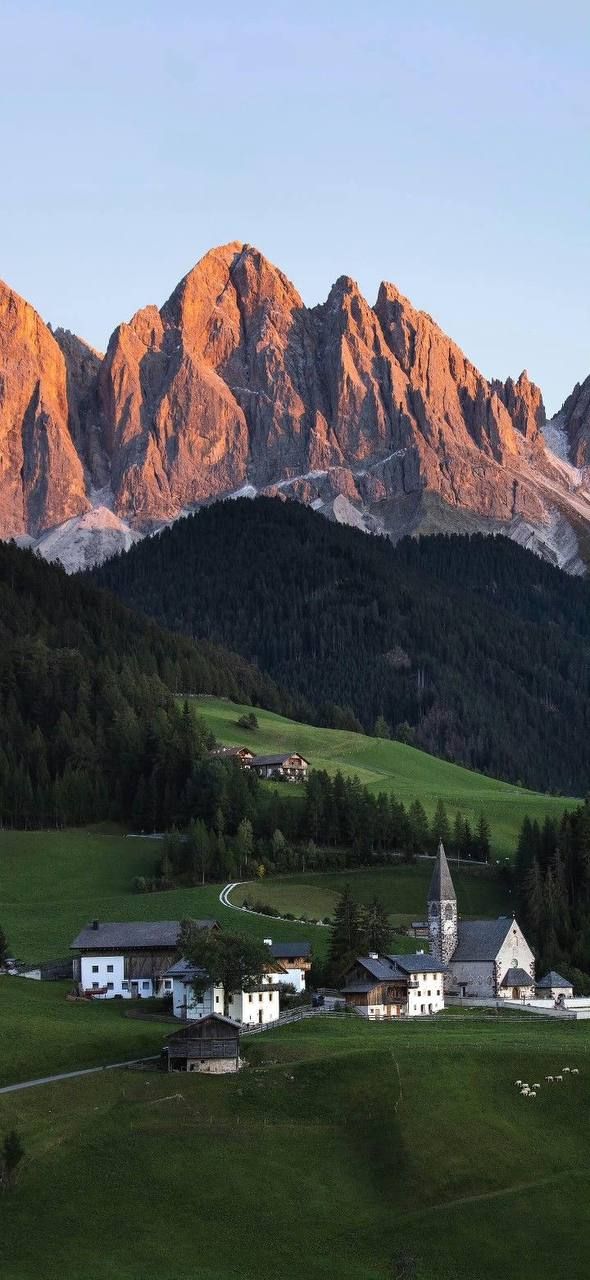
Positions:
(384, 765)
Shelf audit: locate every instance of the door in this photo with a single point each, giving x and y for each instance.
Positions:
(260, 1016)
(516, 993)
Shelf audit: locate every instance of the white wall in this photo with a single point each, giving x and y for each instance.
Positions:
(99, 971)
(293, 977)
(515, 953)
(244, 1007)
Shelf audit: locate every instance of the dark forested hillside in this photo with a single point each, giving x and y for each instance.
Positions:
(90, 725)
(469, 647)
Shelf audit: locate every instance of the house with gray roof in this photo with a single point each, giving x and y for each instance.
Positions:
(293, 962)
(395, 986)
(128, 959)
(484, 958)
(554, 987)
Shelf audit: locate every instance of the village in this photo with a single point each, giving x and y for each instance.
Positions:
(471, 962)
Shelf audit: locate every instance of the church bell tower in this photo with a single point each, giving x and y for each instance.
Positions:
(442, 909)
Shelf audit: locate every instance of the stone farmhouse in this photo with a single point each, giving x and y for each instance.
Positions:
(489, 959)
(395, 986)
(129, 959)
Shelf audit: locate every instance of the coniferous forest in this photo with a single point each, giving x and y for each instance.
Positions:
(91, 728)
(468, 647)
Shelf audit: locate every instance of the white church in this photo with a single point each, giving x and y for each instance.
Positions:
(489, 959)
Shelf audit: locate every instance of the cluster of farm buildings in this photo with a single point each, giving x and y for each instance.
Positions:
(288, 766)
(477, 959)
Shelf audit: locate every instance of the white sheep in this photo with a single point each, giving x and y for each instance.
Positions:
(525, 1084)
(549, 1079)
(565, 1069)
(518, 1082)
(575, 1071)
(532, 1093)
(559, 1077)
(525, 1092)
(536, 1086)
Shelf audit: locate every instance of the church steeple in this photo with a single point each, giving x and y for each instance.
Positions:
(442, 909)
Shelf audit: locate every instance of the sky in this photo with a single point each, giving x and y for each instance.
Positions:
(442, 145)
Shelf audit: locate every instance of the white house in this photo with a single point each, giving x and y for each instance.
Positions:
(128, 960)
(195, 996)
(485, 958)
(293, 962)
(395, 986)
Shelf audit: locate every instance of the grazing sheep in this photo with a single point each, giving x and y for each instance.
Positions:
(565, 1069)
(559, 1077)
(536, 1086)
(525, 1093)
(525, 1084)
(518, 1082)
(549, 1079)
(532, 1093)
(575, 1071)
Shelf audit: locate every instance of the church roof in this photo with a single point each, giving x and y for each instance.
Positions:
(441, 885)
(517, 978)
(553, 979)
(480, 940)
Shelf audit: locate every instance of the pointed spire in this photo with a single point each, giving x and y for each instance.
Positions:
(441, 885)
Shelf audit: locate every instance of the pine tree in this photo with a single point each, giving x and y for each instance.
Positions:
(420, 834)
(381, 728)
(440, 828)
(345, 937)
(482, 838)
(375, 928)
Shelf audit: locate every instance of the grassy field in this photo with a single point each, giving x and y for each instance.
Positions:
(389, 766)
(402, 889)
(53, 882)
(342, 1150)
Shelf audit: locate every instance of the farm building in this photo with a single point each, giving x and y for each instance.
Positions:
(194, 996)
(484, 958)
(243, 755)
(128, 959)
(211, 1045)
(395, 986)
(554, 987)
(294, 959)
(291, 767)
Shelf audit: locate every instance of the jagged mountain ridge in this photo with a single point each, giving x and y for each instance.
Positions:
(370, 414)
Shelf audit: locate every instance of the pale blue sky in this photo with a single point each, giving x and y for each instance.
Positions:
(441, 144)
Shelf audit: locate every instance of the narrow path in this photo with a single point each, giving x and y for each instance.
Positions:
(495, 1195)
(71, 1075)
(224, 897)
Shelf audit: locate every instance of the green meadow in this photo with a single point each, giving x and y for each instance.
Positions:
(384, 765)
(341, 1150)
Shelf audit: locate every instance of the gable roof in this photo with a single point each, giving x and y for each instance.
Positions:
(191, 1029)
(290, 950)
(480, 940)
(418, 962)
(157, 934)
(278, 760)
(553, 979)
(441, 884)
(517, 978)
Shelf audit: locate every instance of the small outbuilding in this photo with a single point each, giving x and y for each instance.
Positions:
(210, 1044)
(553, 986)
(517, 984)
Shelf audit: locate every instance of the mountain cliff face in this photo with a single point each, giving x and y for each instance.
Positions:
(369, 414)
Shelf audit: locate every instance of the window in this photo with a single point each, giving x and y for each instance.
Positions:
(125, 986)
(95, 986)
(260, 997)
(429, 993)
(167, 983)
(438, 993)
(421, 1008)
(110, 968)
(110, 986)
(250, 997)
(95, 968)
(145, 985)
(217, 999)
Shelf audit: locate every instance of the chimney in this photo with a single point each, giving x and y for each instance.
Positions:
(373, 955)
(268, 942)
(95, 924)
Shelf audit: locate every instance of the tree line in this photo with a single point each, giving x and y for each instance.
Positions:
(240, 827)
(552, 890)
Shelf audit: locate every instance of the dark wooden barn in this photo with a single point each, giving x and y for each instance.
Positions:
(209, 1044)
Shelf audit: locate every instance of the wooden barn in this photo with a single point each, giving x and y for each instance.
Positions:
(210, 1044)
(290, 766)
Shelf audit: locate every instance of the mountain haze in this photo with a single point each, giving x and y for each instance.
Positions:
(369, 414)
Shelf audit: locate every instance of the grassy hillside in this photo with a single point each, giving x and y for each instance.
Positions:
(342, 1150)
(53, 882)
(385, 765)
(402, 889)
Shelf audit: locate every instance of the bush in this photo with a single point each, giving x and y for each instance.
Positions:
(140, 884)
